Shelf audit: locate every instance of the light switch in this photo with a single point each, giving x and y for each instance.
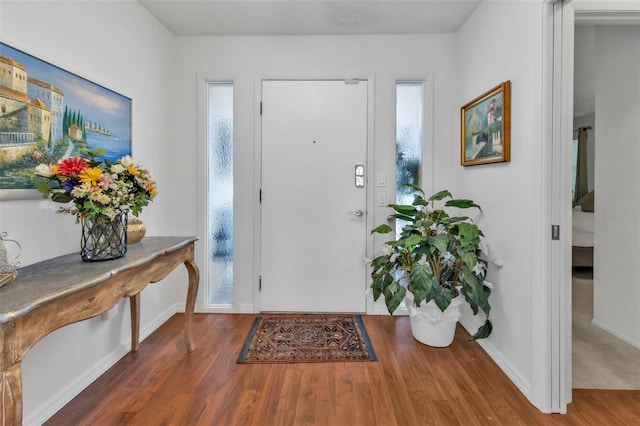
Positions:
(382, 199)
(382, 180)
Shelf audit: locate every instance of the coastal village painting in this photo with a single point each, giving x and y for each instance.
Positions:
(47, 113)
(486, 127)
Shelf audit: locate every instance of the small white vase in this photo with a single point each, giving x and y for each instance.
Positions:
(430, 325)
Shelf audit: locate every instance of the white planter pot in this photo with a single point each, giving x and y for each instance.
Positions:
(431, 326)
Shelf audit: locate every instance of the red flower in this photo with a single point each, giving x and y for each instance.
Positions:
(71, 166)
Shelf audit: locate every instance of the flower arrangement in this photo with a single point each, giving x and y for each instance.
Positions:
(97, 187)
(436, 256)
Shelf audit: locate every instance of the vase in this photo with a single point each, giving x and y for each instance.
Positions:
(135, 230)
(103, 238)
(430, 325)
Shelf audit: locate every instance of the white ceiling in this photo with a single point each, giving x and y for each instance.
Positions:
(350, 17)
(310, 17)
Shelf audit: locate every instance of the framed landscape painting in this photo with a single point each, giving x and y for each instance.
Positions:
(47, 113)
(485, 127)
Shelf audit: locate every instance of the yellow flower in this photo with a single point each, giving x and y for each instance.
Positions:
(91, 175)
(133, 170)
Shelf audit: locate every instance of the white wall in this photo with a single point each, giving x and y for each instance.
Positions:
(244, 59)
(503, 41)
(617, 205)
(120, 46)
(584, 99)
(463, 66)
(500, 41)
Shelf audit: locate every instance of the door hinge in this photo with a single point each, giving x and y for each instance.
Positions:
(260, 283)
(555, 232)
(260, 108)
(260, 196)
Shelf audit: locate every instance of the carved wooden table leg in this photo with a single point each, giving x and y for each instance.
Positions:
(11, 392)
(134, 304)
(194, 280)
(10, 375)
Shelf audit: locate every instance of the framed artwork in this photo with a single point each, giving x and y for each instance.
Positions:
(47, 113)
(485, 127)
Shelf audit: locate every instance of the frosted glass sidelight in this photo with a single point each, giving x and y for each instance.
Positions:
(220, 194)
(409, 129)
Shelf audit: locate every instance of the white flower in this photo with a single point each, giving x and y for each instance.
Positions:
(449, 258)
(484, 247)
(43, 170)
(480, 269)
(110, 212)
(487, 284)
(117, 168)
(387, 250)
(100, 197)
(126, 161)
(440, 229)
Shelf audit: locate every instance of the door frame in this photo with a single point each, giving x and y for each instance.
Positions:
(257, 179)
(559, 128)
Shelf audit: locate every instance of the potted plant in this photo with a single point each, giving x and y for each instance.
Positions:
(103, 193)
(434, 265)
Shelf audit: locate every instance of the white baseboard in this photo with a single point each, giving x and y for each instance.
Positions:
(616, 334)
(67, 393)
(246, 308)
(523, 385)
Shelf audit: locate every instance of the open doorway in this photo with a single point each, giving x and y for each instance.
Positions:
(606, 353)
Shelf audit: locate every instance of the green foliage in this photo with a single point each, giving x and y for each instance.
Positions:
(436, 256)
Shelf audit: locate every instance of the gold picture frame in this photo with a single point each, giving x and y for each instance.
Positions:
(485, 127)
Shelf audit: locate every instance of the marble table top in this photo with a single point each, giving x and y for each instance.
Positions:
(51, 279)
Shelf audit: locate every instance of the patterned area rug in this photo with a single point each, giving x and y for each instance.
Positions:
(307, 338)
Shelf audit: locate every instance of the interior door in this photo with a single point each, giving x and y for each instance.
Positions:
(314, 139)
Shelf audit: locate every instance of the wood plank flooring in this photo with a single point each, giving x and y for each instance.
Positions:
(411, 384)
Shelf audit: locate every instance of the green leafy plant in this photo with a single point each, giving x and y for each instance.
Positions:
(436, 256)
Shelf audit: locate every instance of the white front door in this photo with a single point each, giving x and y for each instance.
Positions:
(314, 135)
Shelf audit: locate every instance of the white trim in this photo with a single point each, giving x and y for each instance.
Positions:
(568, 14)
(202, 189)
(496, 356)
(563, 255)
(605, 6)
(612, 18)
(371, 187)
(540, 389)
(557, 127)
(246, 308)
(257, 185)
(608, 12)
(615, 333)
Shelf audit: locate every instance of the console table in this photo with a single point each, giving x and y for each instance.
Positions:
(60, 291)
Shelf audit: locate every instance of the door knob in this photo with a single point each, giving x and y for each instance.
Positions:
(356, 213)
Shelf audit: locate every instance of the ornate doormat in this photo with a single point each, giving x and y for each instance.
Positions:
(307, 338)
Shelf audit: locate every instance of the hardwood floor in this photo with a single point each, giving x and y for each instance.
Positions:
(411, 384)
